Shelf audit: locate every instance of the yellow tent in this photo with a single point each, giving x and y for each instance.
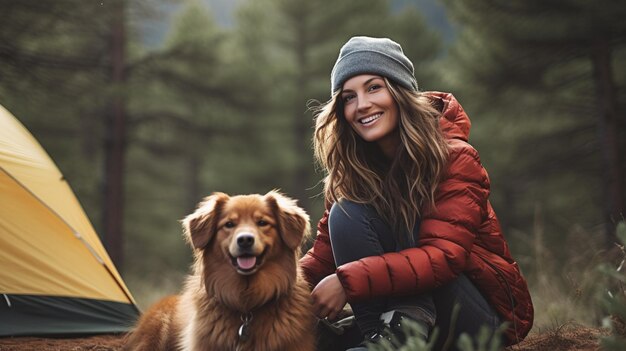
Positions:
(55, 277)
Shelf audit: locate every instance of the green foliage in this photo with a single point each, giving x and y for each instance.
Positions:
(486, 340)
(52, 63)
(614, 301)
(527, 73)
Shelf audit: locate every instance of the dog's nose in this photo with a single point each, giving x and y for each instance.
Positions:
(245, 240)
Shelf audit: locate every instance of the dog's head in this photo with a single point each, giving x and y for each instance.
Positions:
(248, 230)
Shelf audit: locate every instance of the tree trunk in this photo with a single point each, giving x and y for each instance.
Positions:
(606, 96)
(115, 142)
(302, 130)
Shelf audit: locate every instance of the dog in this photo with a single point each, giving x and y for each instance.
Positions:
(245, 292)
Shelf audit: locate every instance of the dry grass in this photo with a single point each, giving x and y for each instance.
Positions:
(565, 337)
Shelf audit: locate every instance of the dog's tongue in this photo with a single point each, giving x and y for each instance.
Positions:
(246, 262)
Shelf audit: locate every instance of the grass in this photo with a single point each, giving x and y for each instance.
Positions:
(149, 288)
(564, 280)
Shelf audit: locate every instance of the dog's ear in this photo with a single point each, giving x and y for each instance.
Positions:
(200, 226)
(293, 222)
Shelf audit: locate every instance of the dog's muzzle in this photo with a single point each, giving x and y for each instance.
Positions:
(246, 260)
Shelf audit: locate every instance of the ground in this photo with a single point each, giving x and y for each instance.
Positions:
(567, 338)
(94, 343)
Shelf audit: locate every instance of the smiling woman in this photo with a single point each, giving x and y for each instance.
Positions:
(408, 231)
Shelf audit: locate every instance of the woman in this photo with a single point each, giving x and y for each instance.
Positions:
(409, 231)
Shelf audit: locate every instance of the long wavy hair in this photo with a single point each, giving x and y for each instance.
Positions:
(399, 189)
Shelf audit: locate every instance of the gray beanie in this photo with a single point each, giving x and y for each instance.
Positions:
(366, 55)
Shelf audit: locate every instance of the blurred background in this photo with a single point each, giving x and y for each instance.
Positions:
(147, 106)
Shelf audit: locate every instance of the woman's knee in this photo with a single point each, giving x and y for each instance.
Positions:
(353, 223)
(352, 233)
(348, 216)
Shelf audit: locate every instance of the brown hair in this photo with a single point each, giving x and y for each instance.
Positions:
(358, 170)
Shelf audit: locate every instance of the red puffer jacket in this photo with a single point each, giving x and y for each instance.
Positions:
(461, 235)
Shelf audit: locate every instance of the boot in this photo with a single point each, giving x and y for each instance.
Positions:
(391, 329)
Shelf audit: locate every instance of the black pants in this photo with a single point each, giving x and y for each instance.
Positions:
(357, 231)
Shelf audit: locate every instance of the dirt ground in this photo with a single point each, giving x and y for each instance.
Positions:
(94, 343)
(567, 338)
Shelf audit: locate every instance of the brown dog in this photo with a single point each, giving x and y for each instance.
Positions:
(245, 292)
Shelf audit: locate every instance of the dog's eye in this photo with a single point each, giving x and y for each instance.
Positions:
(229, 224)
(262, 223)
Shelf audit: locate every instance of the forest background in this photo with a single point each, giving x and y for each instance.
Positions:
(147, 106)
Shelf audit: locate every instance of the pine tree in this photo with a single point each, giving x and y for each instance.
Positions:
(301, 42)
(543, 77)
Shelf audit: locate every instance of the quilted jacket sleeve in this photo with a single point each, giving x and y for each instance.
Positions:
(447, 235)
(318, 262)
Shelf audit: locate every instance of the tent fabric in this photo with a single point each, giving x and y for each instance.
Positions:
(48, 247)
(63, 316)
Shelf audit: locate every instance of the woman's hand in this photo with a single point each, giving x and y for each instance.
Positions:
(329, 298)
